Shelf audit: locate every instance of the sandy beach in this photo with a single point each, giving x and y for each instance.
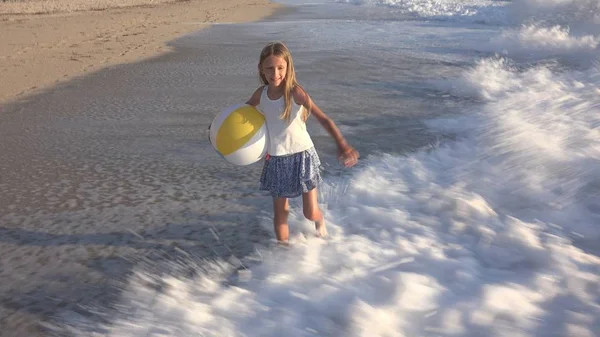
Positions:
(55, 259)
(41, 50)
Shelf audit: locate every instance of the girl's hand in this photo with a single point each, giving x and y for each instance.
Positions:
(348, 155)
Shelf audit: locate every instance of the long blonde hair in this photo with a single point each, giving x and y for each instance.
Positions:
(280, 50)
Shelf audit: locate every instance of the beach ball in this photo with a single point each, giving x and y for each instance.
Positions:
(239, 134)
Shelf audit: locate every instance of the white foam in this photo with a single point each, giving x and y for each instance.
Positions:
(531, 42)
(475, 235)
(544, 128)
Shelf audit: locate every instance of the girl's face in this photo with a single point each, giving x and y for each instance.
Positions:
(274, 69)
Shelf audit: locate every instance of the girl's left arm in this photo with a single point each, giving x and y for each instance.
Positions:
(346, 153)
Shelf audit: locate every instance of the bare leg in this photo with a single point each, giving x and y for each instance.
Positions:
(312, 211)
(281, 207)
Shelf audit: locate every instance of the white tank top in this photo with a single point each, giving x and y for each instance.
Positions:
(284, 138)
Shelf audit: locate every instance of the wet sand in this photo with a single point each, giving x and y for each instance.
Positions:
(104, 164)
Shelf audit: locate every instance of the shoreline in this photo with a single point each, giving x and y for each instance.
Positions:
(43, 50)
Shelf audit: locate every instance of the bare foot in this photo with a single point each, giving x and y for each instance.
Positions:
(321, 228)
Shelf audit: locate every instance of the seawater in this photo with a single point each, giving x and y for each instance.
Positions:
(474, 210)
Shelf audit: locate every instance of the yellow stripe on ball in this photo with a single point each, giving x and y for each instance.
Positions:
(238, 128)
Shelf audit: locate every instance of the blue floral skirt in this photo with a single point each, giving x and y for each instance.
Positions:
(291, 175)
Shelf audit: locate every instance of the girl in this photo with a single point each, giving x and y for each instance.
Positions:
(291, 165)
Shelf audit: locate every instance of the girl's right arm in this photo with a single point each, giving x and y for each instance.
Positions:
(255, 99)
